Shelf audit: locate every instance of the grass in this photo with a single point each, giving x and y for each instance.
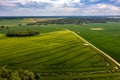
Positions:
(58, 52)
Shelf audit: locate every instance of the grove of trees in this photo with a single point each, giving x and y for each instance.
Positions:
(19, 74)
(22, 33)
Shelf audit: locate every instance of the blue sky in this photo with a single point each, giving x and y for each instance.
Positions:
(59, 7)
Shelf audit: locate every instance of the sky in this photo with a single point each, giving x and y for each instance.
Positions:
(59, 7)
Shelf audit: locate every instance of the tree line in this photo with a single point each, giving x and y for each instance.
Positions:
(75, 21)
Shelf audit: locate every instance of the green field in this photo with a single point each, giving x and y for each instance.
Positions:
(55, 54)
(106, 39)
(58, 54)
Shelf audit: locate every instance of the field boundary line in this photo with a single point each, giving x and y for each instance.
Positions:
(95, 48)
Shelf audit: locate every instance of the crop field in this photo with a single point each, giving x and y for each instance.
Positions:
(24, 21)
(105, 36)
(11, 23)
(59, 54)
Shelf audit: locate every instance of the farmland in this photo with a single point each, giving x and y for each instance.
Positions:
(106, 39)
(58, 53)
(108, 36)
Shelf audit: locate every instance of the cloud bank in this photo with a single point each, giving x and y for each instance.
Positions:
(59, 7)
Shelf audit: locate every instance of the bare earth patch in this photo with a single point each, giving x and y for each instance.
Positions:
(97, 29)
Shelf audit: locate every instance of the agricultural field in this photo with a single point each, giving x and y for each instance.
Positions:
(11, 23)
(106, 37)
(55, 54)
(38, 19)
(20, 21)
(60, 53)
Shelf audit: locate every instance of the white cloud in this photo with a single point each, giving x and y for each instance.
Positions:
(58, 3)
(58, 7)
(108, 7)
(103, 9)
